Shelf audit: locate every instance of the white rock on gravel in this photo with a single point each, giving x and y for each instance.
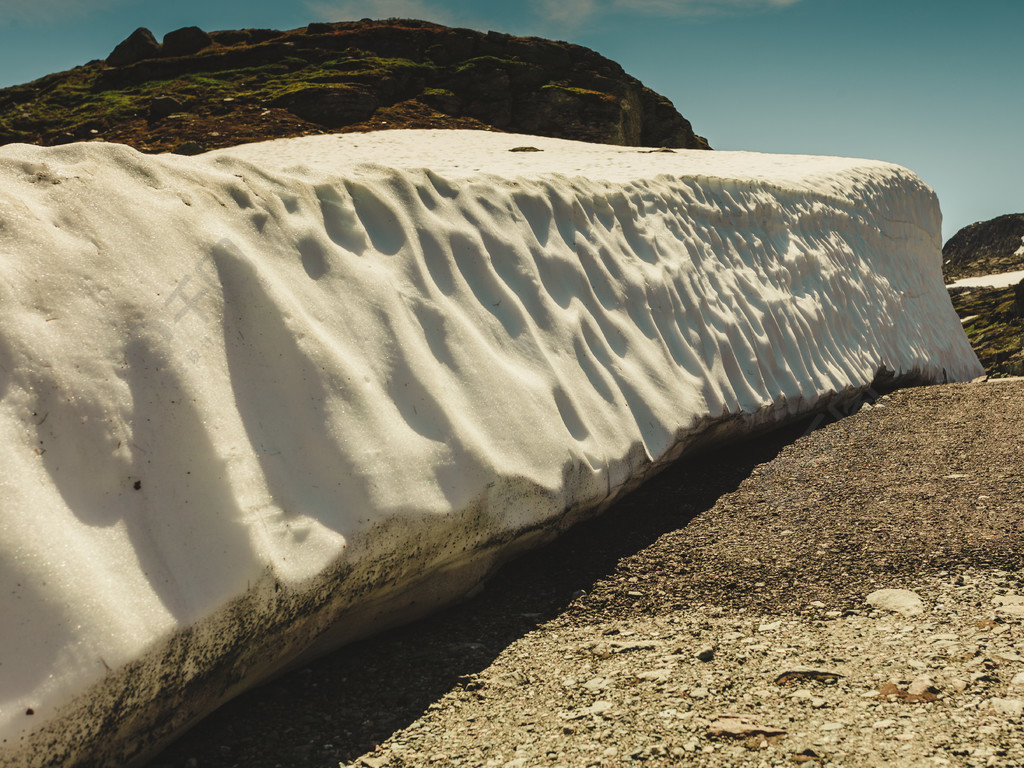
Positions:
(1011, 605)
(1009, 707)
(901, 601)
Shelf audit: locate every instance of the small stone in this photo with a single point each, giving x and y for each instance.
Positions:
(921, 686)
(656, 675)
(620, 646)
(741, 727)
(707, 653)
(1008, 707)
(832, 727)
(700, 693)
(596, 684)
(600, 707)
(901, 601)
(1017, 681)
(807, 673)
(881, 725)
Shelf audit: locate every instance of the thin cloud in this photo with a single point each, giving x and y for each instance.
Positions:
(50, 10)
(571, 13)
(698, 7)
(384, 9)
(574, 14)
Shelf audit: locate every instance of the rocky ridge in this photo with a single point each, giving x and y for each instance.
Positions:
(985, 248)
(199, 90)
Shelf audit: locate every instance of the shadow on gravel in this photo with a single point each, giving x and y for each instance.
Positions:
(343, 705)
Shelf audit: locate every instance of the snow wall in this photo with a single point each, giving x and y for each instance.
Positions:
(267, 400)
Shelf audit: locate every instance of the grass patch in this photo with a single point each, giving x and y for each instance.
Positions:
(997, 332)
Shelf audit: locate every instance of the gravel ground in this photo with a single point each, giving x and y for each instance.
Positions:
(728, 613)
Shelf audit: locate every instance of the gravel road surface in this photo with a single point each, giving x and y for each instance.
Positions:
(738, 610)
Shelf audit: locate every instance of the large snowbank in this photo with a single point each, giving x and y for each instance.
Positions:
(278, 396)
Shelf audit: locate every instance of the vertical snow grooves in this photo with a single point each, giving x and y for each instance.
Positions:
(314, 391)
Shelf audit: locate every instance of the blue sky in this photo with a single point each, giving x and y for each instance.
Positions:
(935, 85)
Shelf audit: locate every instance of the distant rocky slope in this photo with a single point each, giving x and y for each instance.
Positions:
(993, 318)
(199, 90)
(985, 248)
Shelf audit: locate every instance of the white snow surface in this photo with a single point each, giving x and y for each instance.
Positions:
(998, 280)
(266, 400)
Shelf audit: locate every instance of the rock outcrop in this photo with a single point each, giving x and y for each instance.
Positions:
(253, 84)
(985, 248)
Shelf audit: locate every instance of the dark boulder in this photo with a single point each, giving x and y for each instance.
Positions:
(185, 41)
(165, 106)
(329, 107)
(189, 148)
(139, 45)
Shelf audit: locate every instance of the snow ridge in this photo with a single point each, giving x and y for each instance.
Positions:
(264, 401)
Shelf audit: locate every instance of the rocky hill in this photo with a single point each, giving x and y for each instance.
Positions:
(197, 90)
(993, 318)
(985, 248)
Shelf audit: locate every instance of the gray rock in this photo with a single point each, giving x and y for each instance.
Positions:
(901, 601)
